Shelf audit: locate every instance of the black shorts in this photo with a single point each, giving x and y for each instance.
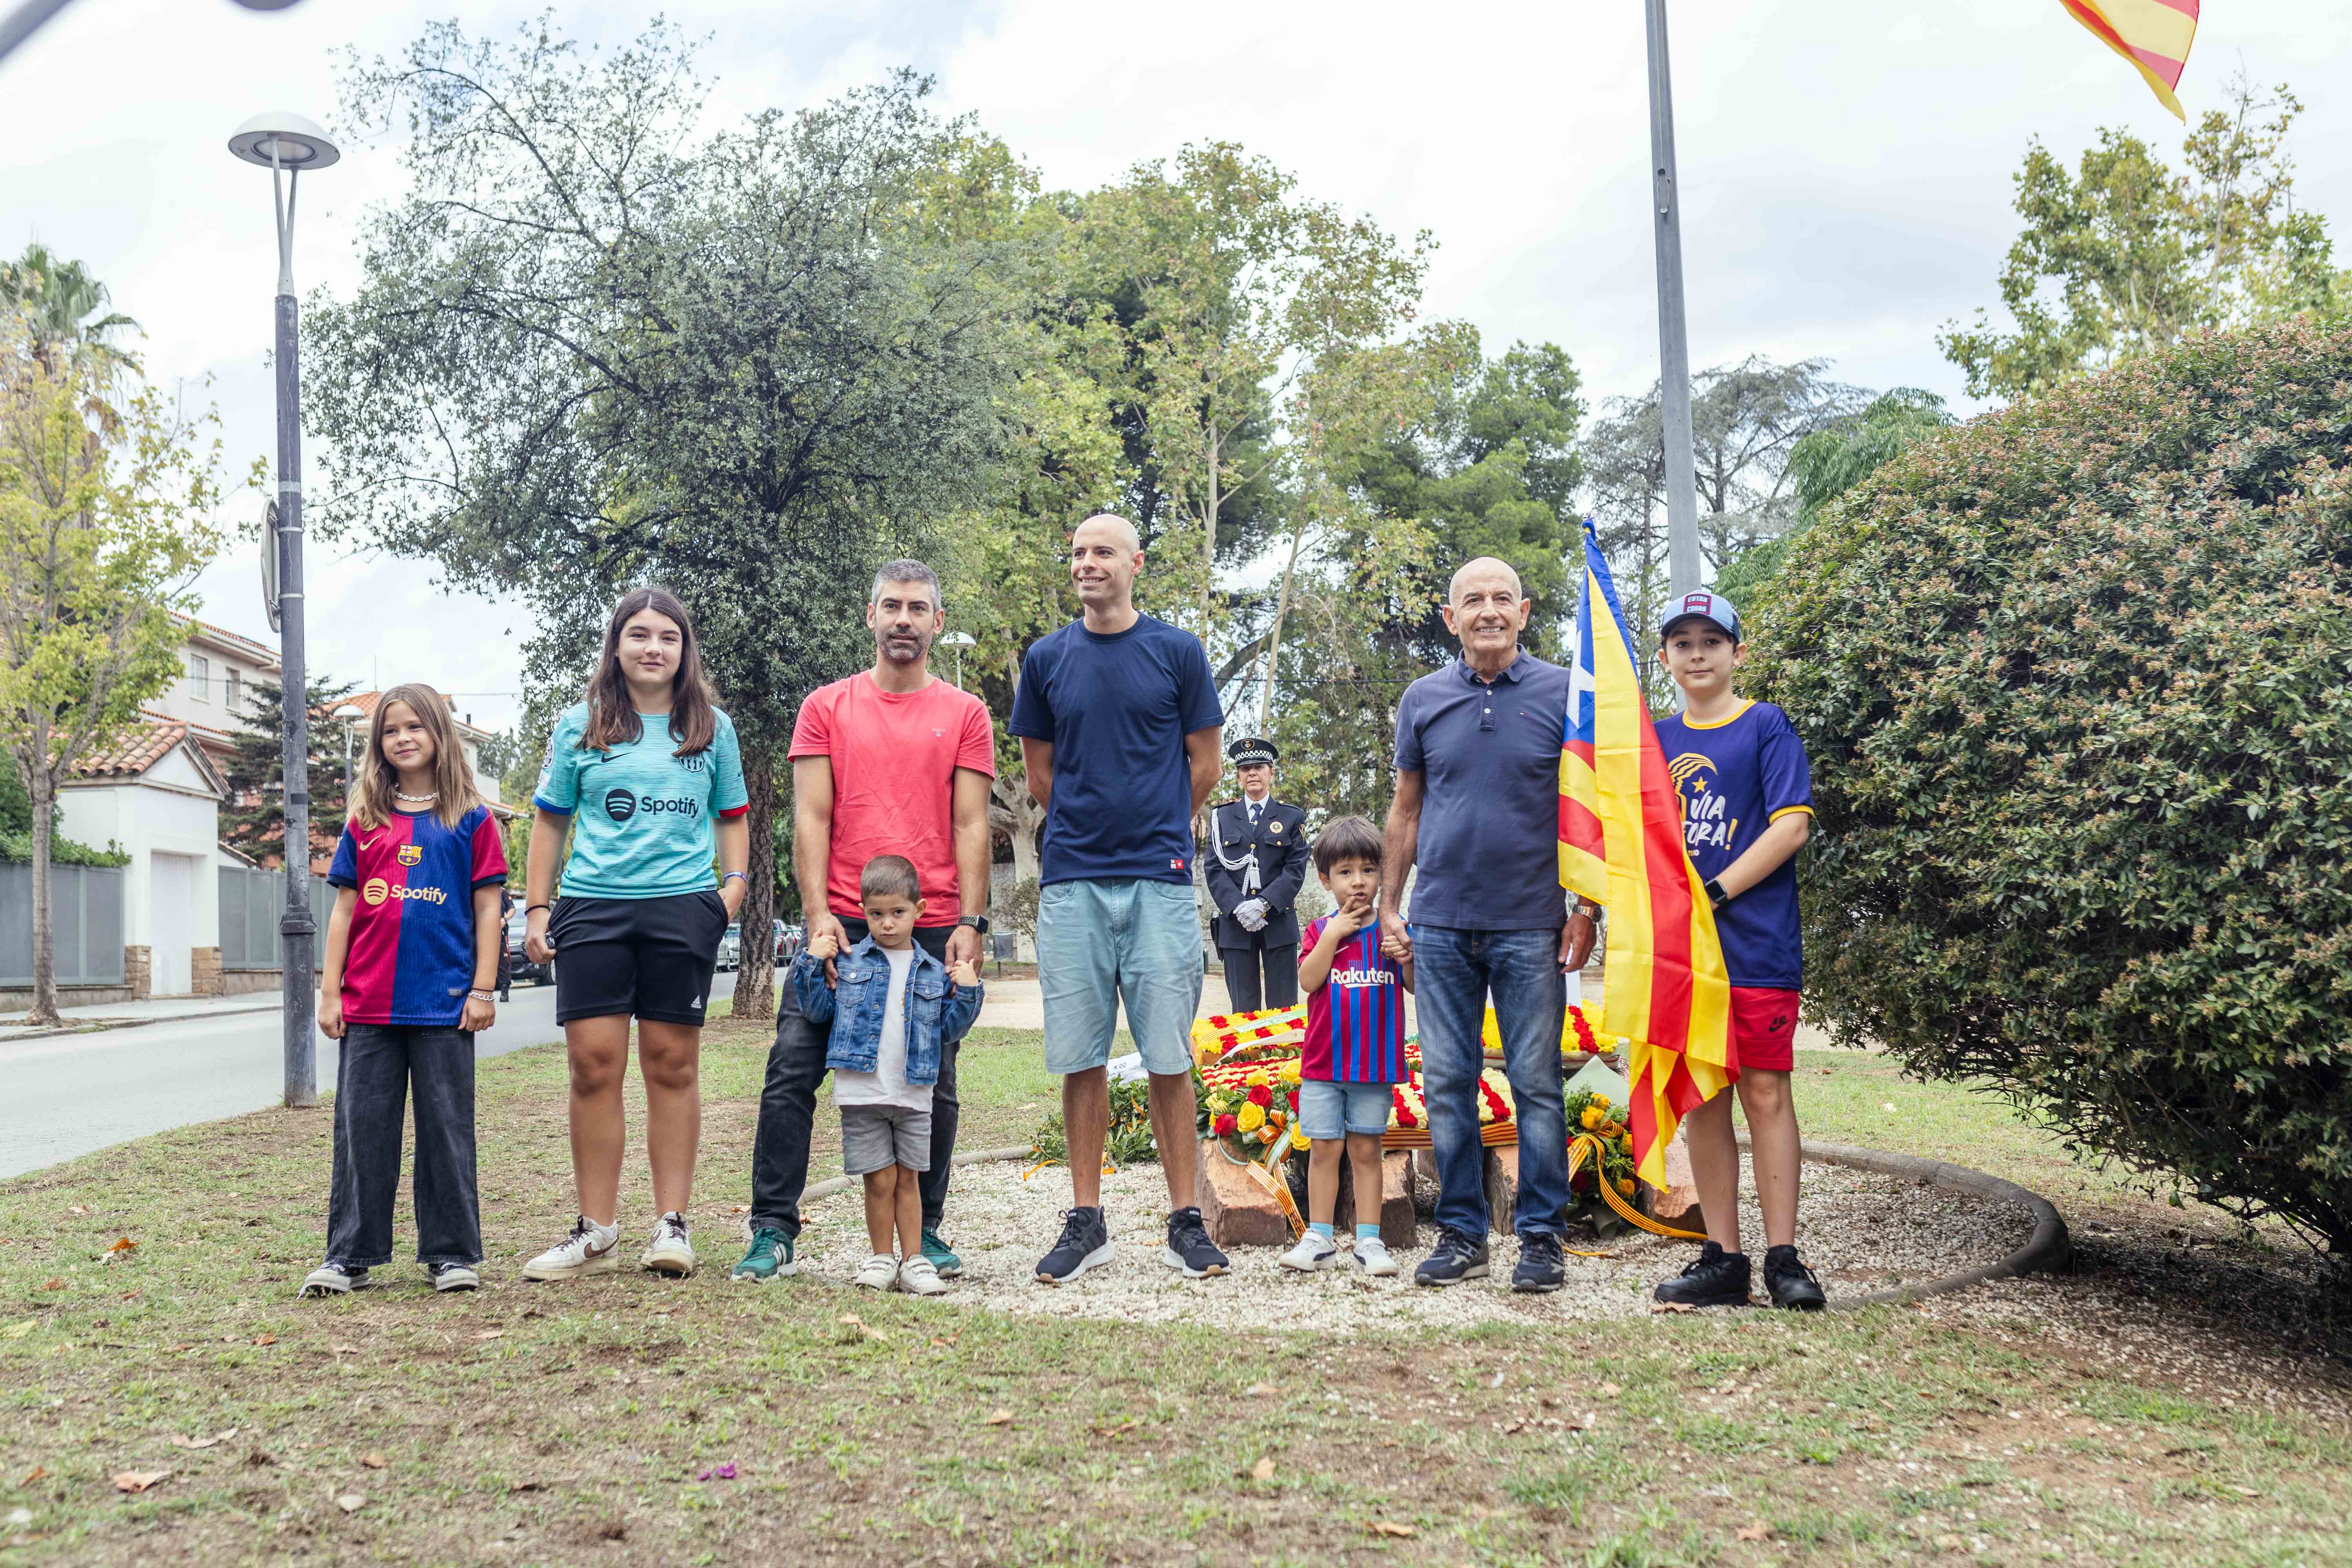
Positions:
(651, 957)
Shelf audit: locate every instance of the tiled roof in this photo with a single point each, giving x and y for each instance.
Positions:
(137, 751)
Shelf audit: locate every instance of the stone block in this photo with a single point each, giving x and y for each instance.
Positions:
(135, 974)
(1502, 1187)
(1239, 1212)
(1396, 1216)
(1678, 1205)
(204, 971)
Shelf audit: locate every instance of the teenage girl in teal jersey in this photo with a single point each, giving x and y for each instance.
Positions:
(644, 775)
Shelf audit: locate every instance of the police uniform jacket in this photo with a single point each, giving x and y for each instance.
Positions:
(1279, 844)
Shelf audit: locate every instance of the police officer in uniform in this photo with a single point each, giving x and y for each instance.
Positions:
(1256, 863)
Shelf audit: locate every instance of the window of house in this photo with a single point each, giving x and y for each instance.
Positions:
(234, 688)
(200, 674)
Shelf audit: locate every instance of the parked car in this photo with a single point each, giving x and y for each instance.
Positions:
(788, 942)
(519, 964)
(731, 948)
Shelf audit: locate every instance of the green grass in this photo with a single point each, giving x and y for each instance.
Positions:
(565, 1423)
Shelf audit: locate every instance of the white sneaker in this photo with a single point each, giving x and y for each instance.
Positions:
(670, 1252)
(589, 1250)
(880, 1272)
(918, 1276)
(456, 1277)
(1315, 1250)
(1373, 1256)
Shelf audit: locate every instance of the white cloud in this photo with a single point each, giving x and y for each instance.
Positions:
(1845, 166)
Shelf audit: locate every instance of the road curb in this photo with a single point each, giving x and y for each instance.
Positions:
(108, 1025)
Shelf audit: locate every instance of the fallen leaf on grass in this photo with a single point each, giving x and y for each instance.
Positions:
(346, 1350)
(1755, 1530)
(78, 1208)
(2245, 1491)
(122, 1248)
(1389, 1526)
(1672, 1306)
(203, 1442)
(946, 1341)
(1130, 1424)
(864, 1328)
(1516, 1427)
(19, 1330)
(351, 1502)
(538, 1486)
(1257, 1390)
(1609, 1391)
(266, 1339)
(1264, 1469)
(374, 1461)
(999, 1418)
(740, 1208)
(138, 1481)
(491, 1334)
(53, 1284)
(255, 1459)
(34, 1474)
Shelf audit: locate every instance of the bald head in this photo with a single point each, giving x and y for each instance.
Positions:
(1486, 571)
(1111, 526)
(1106, 554)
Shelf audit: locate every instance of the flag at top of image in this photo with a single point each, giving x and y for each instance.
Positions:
(2154, 35)
(1620, 845)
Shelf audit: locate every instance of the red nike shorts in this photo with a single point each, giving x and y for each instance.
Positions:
(1763, 1028)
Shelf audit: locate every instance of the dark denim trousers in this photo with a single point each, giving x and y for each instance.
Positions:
(1452, 972)
(780, 1147)
(374, 1073)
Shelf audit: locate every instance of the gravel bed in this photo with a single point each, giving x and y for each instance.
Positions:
(1860, 1231)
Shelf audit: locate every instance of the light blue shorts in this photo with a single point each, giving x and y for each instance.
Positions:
(1102, 941)
(1325, 1108)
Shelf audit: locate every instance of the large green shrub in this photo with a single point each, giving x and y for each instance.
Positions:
(2076, 680)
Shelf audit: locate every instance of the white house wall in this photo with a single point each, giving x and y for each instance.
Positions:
(142, 819)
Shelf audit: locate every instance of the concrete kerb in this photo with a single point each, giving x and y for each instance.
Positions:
(2046, 1251)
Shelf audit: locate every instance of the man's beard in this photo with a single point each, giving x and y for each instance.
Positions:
(910, 651)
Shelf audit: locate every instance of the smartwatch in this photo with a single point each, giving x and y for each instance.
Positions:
(977, 922)
(1716, 895)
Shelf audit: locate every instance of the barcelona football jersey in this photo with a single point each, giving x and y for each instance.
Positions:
(412, 946)
(1355, 1019)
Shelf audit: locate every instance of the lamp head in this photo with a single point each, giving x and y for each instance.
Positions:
(299, 144)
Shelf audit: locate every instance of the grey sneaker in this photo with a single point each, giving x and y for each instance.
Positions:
(333, 1280)
(1086, 1242)
(1189, 1248)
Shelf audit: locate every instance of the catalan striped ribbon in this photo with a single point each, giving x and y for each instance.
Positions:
(1620, 845)
(2154, 35)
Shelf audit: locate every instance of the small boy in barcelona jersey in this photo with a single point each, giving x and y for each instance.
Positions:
(412, 955)
(1354, 1057)
(1747, 807)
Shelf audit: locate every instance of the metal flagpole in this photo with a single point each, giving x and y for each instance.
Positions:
(1673, 335)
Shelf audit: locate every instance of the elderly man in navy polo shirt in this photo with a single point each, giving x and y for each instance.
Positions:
(1477, 807)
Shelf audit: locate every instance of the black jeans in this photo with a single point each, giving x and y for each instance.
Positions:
(780, 1148)
(1246, 988)
(373, 1071)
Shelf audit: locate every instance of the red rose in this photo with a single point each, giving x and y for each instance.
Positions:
(1260, 1095)
(1225, 1126)
(1293, 1100)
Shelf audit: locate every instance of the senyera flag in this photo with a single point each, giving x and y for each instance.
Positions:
(1620, 845)
(2154, 35)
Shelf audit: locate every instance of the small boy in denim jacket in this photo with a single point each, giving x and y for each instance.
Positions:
(892, 1007)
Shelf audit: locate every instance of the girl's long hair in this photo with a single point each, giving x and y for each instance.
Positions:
(453, 777)
(613, 717)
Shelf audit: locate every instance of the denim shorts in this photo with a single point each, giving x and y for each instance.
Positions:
(1100, 942)
(1325, 1108)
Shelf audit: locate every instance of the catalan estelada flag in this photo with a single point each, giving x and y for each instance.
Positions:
(1620, 845)
(2154, 35)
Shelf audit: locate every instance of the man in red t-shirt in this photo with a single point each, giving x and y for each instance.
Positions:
(892, 760)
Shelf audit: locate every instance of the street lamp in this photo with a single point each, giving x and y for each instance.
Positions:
(347, 715)
(285, 144)
(957, 641)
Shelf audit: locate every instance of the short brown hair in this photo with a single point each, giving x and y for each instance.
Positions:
(1346, 839)
(889, 874)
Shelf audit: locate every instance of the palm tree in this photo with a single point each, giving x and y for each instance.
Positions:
(60, 299)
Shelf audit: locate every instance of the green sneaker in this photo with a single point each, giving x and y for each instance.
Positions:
(770, 1255)
(943, 1256)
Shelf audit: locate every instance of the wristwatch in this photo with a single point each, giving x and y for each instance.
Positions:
(1715, 893)
(977, 922)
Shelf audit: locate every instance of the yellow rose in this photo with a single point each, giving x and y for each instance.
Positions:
(1259, 1080)
(1298, 1138)
(1290, 1072)
(1591, 1117)
(1625, 1186)
(1600, 1099)
(1252, 1118)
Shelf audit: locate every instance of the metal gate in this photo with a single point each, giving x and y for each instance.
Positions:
(250, 903)
(85, 924)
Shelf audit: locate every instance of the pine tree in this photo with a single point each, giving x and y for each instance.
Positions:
(255, 821)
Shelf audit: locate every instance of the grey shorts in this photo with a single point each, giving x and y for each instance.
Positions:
(873, 1136)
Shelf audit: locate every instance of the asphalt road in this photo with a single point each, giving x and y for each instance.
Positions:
(70, 1094)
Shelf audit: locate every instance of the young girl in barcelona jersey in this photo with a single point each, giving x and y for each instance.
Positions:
(644, 775)
(411, 953)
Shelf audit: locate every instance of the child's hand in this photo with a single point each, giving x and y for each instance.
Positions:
(963, 973)
(480, 1014)
(1353, 919)
(823, 946)
(331, 1015)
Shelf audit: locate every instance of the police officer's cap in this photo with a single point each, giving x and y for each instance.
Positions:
(1253, 750)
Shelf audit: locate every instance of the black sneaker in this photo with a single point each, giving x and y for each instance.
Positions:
(1085, 1241)
(1718, 1278)
(1189, 1247)
(1790, 1283)
(1541, 1267)
(333, 1280)
(1458, 1255)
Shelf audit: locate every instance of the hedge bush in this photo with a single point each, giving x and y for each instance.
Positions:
(2076, 680)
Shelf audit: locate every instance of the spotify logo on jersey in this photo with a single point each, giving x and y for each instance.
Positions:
(620, 804)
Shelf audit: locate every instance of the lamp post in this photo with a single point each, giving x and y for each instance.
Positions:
(957, 641)
(285, 144)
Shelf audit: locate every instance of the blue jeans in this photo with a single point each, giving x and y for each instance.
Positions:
(1452, 971)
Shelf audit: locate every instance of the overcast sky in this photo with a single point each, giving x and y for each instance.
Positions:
(1845, 172)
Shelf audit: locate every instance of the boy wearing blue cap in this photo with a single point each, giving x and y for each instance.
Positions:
(1747, 807)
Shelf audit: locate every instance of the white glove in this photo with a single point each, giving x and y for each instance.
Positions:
(1251, 912)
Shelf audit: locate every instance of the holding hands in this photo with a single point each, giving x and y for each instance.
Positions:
(963, 973)
(824, 941)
